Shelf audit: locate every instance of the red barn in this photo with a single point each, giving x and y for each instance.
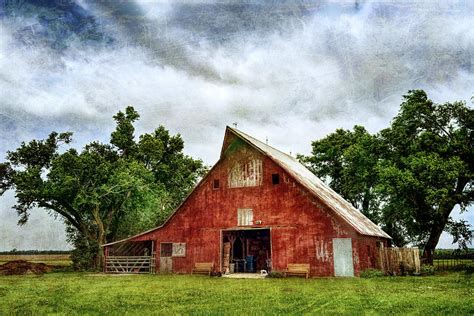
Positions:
(256, 209)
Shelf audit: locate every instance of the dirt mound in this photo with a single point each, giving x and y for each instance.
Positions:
(23, 267)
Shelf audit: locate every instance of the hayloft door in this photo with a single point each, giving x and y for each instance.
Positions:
(343, 263)
(166, 260)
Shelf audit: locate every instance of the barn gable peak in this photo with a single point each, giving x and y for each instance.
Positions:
(363, 225)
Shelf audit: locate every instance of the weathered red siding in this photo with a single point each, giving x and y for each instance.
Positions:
(302, 227)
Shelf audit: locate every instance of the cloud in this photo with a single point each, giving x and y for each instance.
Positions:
(289, 71)
(41, 232)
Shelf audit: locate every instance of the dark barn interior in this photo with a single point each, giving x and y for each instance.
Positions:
(246, 251)
(132, 248)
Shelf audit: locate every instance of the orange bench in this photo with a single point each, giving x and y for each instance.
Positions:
(203, 268)
(297, 269)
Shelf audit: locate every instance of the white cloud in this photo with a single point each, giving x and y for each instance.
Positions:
(291, 84)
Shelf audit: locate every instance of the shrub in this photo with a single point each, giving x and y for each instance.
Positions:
(275, 274)
(371, 273)
(84, 257)
(427, 269)
(469, 268)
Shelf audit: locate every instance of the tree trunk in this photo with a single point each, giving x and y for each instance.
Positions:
(444, 211)
(428, 251)
(100, 251)
(101, 230)
(436, 231)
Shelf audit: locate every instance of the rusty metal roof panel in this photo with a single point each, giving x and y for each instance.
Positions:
(337, 203)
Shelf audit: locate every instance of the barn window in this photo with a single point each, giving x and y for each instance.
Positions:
(215, 184)
(247, 174)
(179, 249)
(173, 249)
(275, 178)
(166, 249)
(244, 217)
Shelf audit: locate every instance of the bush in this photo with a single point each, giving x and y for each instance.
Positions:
(427, 269)
(275, 274)
(469, 268)
(84, 256)
(371, 273)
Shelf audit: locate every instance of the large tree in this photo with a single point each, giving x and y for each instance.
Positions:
(410, 176)
(106, 191)
(346, 161)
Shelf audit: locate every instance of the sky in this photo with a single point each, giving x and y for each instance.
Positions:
(289, 71)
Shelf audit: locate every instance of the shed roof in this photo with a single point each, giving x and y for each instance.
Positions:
(313, 184)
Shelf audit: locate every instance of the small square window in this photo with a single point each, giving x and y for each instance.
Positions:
(215, 184)
(244, 217)
(275, 178)
(166, 249)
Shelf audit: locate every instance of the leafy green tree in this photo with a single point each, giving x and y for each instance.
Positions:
(106, 191)
(408, 177)
(347, 160)
(428, 167)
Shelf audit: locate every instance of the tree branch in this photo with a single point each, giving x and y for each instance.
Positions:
(78, 224)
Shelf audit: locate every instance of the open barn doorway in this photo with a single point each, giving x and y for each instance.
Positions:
(246, 250)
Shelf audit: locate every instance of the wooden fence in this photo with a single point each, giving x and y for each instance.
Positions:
(399, 261)
(130, 264)
(452, 261)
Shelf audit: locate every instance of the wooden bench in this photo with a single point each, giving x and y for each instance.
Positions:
(203, 268)
(297, 269)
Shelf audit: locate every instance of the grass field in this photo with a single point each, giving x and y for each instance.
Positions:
(73, 293)
(54, 260)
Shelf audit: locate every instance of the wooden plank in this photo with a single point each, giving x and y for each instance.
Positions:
(396, 261)
(297, 269)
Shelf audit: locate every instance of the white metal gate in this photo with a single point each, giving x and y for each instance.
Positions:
(343, 262)
(129, 264)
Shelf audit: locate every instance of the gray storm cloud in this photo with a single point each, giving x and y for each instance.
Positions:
(289, 71)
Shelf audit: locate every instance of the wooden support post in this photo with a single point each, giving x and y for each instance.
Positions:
(232, 239)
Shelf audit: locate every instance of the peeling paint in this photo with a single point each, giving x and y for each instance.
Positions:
(246, 174)
(337, 227)
(321, 247)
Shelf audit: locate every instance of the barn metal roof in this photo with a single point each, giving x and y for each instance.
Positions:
(312, 183)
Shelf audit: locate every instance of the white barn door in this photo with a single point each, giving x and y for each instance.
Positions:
(343, 263)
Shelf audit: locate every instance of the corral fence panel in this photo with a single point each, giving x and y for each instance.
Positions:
(130, 264)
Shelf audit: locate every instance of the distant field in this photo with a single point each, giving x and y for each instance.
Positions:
(451, 264)
(98, 294)
(55, 260)
(452, 261)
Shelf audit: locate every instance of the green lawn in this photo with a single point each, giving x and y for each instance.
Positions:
(73, 293)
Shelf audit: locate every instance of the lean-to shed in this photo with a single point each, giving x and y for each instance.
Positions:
(257, 209)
